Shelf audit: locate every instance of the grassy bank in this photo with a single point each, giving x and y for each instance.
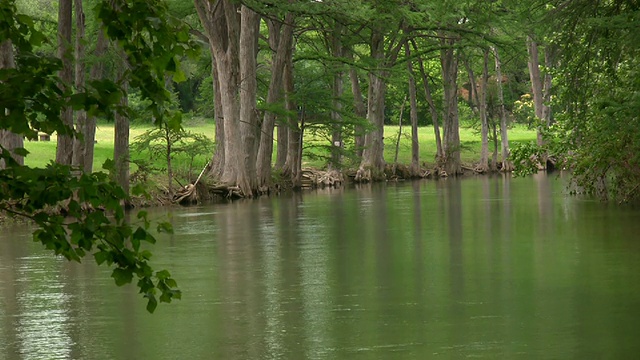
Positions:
(44, 152)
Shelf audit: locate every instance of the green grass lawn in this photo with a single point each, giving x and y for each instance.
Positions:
(470, 143)
(43, 152)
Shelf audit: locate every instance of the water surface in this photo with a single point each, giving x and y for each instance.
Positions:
(492, 268)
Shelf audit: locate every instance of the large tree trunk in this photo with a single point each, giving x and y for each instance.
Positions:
(121, 145)
(413, 112)
(474, 101)
(249, 129)
(540, 86)
(504, 135)
(536, 83)
(494, 154)
(372, 164)
(217, 162)
(432, 109)
(8, 139)
(546, 106)
(89, 128)
(360, 108)
(64, 151)
(473, 98)
(337, 89)
(449, 61)
(293, 164)
(484, 121)
(282, 127)
(280, 40)
(282, 147)
(541, 89)
(121, 133)
(227, 40)
(81, 115)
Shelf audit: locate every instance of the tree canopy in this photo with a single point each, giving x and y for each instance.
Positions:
(80, 214)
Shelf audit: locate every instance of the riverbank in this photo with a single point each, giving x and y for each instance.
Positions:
(314, 155)
(187, 166)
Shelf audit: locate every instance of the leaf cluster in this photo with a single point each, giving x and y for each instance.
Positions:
(82, 214)
(598, 85)
(79, 214)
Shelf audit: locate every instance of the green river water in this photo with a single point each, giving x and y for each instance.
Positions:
(490, 268)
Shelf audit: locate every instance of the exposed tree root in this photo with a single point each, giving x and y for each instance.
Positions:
(317, 178)
(475, 169)
(227, 191)
(363, 175)
(187, 194)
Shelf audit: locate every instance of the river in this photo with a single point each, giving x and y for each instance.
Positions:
(487, 267)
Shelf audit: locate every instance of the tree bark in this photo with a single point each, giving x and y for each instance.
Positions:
(494, 154)
(79, 143)
(372, 164)
(293, 165)
(282, 127)
(473, 99)
(546, 105)
(282, 147)
(449, 62)
(121, 145)
(64, 151)
(228, 39)
(395, 158)
(536, 83)
(360, 108)
(504, 135)
(337, 89)
(249, 129)
(8, 139)
(432, 109)
(121, 137)
(217, 162)
(89, 130)
(281, 40)
(484, 121)
(413, 113)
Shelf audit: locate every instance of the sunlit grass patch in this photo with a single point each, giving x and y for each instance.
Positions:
(316, 152)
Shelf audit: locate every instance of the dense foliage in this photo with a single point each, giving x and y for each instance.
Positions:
(599, 94)
(77, 213)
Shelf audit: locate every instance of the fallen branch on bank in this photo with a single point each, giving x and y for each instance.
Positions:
(189, 193)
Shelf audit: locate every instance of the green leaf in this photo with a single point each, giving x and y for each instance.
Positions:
(165, 227)
(37, 38)
(152, 304)
(21, 151)
(138, 235)
(139, 189)
(163, 274)
(109, 165)
(102, 256)
(175, 122)
(179, 76)
(171, 283)
(122, 276)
